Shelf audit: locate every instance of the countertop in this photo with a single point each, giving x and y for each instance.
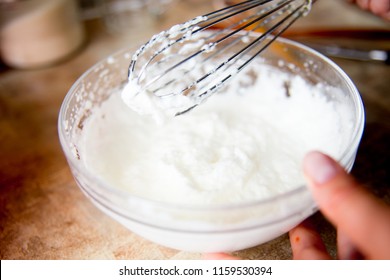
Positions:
(44, 215)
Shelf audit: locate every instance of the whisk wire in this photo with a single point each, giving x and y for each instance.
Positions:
(257, 17)
(296, 17)
(226, 13)
(178, 50)
(242, 52)
(231, 11)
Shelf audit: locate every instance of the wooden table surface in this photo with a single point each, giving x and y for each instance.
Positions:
(44, 215)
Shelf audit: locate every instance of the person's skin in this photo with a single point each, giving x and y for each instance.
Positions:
(362, 220)
(378, 7)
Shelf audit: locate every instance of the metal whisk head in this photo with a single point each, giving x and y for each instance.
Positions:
(183, 66)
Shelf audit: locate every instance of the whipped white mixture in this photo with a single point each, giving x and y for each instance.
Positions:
(243, 144)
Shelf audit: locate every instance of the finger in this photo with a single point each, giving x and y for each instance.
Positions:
(378, 7)
(381, 8)
(346, 250)
(351, 208)
(219, 256)
(364, 4)
(306, 243)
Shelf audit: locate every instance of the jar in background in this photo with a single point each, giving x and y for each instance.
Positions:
(37, 33)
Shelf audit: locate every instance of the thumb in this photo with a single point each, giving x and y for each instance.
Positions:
(351, 208)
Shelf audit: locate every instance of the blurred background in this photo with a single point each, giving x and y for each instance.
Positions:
(45, 45)
(36, 33)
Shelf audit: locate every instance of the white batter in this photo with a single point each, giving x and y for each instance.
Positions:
(242, 145)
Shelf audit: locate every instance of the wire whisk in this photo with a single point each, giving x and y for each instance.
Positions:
(181, 67)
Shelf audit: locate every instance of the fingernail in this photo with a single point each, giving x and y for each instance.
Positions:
(319, 167)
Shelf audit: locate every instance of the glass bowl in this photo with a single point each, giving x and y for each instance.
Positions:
(212, 228)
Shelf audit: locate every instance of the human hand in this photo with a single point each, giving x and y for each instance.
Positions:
(378, 7)
(362, 220)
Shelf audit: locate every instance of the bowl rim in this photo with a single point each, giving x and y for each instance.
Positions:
(349, 151)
